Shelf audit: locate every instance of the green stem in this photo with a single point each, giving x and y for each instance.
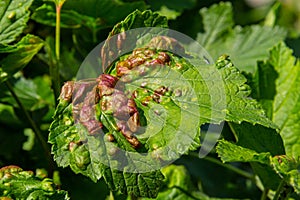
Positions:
(264, 194)
(279, 190)
(230, 167)
(36, 130)
(57, 32)
(227, 166)
(54, 72)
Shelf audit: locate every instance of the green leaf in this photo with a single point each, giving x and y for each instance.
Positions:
(18, 184)
(239, 107)
(46, 14)
(286, 105)
(19, 55)
(260, 139)
(34, 94)
(88, 159)
(179, 186)
(7, 116)
(139, 19)
(230, 152)
(14, 15)
(73, 145)
(217, 21)
(171, 8)
(111, 11)
(244, 45)
(171, 102)
(28, 145)
(176, 5)
(283, 94)
(169, 13)
(287, 168)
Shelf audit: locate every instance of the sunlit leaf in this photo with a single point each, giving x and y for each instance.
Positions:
(18, 184)
(244, 45)
(19, 55)
(14, 16)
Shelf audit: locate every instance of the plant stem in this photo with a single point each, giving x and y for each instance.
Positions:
(57, 32)
(279, 190)
(228, 166)
(264, 194)
(36, 130)
(55, 71)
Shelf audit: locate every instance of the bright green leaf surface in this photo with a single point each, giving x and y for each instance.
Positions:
(286, 107)
(244, 45)
(18, 184)
(14, 15)
(238, 106)
(283, 95)
(19, 55)
(230, 152)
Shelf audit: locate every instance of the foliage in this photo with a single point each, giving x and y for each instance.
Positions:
(250, 93)
(17, 184)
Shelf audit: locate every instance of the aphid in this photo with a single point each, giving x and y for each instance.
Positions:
(156, 61)
(110, 137)
(136, 61)
(106, 83)
(133, 122)
(134, 142)
(122, 68)
(106, 106)
(106, 79)
(134, 94)
(156, 97)
(179, 66)
(163, 56)
(131, 107)
(121, 125)
(146, 100)
(74, 145)
(67, 91)
(161, 90)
